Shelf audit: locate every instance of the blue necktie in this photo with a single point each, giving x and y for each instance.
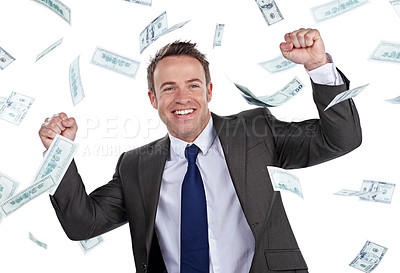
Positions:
(194, 227)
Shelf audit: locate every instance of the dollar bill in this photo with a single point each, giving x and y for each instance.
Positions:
(345, 192)
(47, 50)
(369, 257)
(36, 241)
(7, 187)
(270, 11)
(156, 29)
(88, 245)
(346, 95)
(277, 99)
(58, 7)
(219, 31)
(15, 108)
(395, 100)
(153, 31)
(57, 159)
(334, 8)
(28, 194)
(277, 64)
(142, 2)
(282, 179)
(386, 52)
(377, 191)
(2, 100)
(396, 5)
(5, 58)
(75, 82)
(115, 62)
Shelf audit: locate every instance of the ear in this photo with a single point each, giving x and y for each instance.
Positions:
(209, 91)
(153, 99)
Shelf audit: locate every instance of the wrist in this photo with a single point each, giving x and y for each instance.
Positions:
(315, 65)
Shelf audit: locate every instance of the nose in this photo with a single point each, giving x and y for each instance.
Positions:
(182, 96)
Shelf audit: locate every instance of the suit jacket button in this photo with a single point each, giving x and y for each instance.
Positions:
(144, 267)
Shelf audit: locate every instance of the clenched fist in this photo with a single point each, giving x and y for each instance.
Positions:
(57, 124)
(304, 46)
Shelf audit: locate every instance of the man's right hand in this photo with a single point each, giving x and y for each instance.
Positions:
(57, 124)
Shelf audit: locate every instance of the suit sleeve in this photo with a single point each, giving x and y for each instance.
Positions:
(310, 142)
(84, 216)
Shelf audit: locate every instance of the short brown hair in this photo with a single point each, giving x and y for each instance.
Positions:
(175, 49)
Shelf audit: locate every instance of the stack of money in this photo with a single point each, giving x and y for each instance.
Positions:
(277, 99)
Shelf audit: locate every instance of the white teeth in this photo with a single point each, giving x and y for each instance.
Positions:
(183, 112)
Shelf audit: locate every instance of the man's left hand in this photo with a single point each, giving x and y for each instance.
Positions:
(305, 46)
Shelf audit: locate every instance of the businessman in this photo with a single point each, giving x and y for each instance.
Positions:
(200, 198)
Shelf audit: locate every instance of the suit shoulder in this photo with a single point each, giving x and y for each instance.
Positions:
(161, 145)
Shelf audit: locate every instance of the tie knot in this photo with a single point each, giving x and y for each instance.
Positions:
(191, 153)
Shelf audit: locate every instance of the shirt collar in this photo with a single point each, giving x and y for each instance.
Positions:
(204, 141)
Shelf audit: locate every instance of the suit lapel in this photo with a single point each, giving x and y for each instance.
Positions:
(233, 141)
(151, 167)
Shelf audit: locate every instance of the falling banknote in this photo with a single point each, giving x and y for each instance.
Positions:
(369, 257)
(277, 64)
(346, 95)
(373, 191)
(58, 7)
(396, 5)
(386, 52)
(47, 50)
(57, 160)
(7, 187)
(2, 100)
(334, 8)
(26, 195)
(282, 179)
(88, 245)
(115, 62)
(142, 2)
(378, 191)
(395, 100)
(155, 30)
(75, 83)
(5, 59)
(15, 108)
(219, 31)
(270, 11)
(277, 99)
(36, 241)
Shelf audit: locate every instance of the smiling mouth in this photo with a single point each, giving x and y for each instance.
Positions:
(183, 112)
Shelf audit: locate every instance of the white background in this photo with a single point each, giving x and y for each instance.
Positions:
(116, 115)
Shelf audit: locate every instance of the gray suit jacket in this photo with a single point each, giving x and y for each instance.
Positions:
(251, 140)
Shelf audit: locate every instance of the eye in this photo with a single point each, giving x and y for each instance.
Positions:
(194, 85)
(168, 89)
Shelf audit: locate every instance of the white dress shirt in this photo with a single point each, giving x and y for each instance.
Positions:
(231, 242)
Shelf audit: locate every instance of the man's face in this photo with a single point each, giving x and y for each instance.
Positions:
(181, 96)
